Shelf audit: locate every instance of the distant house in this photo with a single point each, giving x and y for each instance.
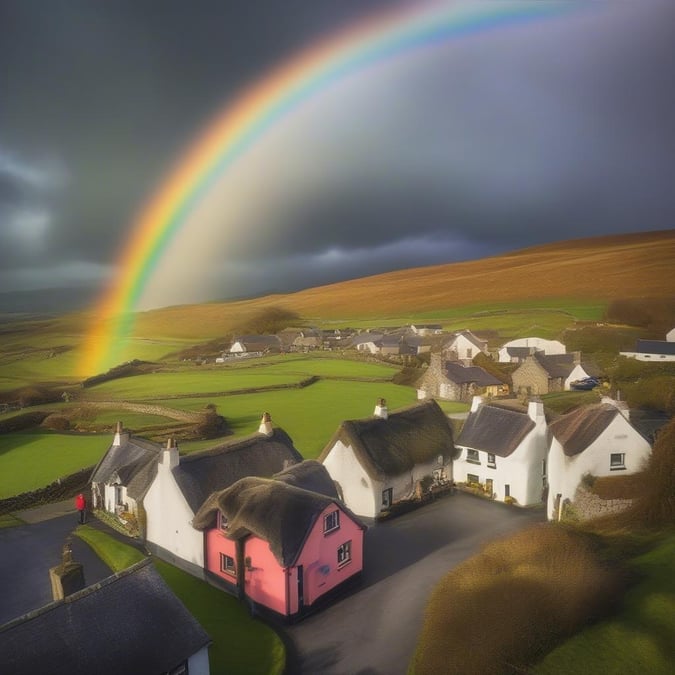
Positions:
(256, 345)
(504, 449)
(463, 346)
(424, 329)
(308, 339)
(515, 351)
(124, 474)
(280, 546)
(183, 484)
(381, 460)
(130, 622)
(653, 350)
(542, 374)
(452, 381)
(595, 439)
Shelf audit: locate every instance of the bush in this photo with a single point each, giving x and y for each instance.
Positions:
(502, 609)
(56, 423)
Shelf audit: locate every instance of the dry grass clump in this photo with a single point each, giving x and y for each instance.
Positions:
(504, 608)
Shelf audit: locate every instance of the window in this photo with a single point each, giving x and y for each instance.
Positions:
(472, 478)
(472, 456)
(227, 564)
(617, 461)
(387, 497)
(222, 521)
(344, 553)
(492, 461)
(331, 521)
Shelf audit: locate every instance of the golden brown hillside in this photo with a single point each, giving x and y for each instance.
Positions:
(599, 268)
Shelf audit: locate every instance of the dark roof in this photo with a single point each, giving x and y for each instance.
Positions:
(655, 347)
(309, 475)
(279, 513)
(460, 374)
(134, 461)
(392, 446)
(496, 430)
(576, 430)
(561, 365)
(521, 352)
(200, 474)
(128, 623)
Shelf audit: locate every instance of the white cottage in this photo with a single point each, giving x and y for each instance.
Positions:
(378, 461)
(464, 346)
(183, 484)
(595, 439)
(504, 449)
(122, 477)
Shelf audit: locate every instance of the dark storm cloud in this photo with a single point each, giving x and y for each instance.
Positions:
(566, 133)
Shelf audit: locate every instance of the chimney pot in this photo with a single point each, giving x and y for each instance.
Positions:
(266, 425)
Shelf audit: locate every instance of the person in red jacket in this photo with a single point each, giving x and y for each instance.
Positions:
(81, 506)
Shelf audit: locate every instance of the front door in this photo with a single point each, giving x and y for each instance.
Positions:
(301, 588)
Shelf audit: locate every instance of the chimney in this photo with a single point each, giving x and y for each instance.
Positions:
(476, 402)
(535, 410)
(436, 361)
(119, 432)
(576, 358)
(169, 457)
(266, 425)
(68, 577)
(381, 409)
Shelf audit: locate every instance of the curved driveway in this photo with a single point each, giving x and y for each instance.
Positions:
(373, 631)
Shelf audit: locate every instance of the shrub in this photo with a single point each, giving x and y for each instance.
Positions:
(56, 422)
(502, 609)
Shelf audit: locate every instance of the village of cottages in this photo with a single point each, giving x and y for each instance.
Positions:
(282, 533)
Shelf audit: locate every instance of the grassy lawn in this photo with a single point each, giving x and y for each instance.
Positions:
(640, 638)
(32, 460)
(241, 645)
(310, 415)
(563, 401)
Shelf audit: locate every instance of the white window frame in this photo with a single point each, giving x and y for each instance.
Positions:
(613, 465)
(491, 460)
(225, 568)
(331, 521)
(344, 554)
(472, 456)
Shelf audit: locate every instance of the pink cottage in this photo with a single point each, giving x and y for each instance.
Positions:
(280, 546)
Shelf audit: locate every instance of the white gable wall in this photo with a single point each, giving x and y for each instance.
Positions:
(358, 491)
(465, 349)
(578, 373)
(565, 472)
(169, 519)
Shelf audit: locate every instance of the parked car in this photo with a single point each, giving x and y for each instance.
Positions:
(585, 384)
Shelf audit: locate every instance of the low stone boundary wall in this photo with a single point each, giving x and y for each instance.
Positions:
(150, 409)
(61, 488)
(587, 505)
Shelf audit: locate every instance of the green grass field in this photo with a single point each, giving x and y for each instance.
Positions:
(33, 460)
(241, 645)
(640, 638)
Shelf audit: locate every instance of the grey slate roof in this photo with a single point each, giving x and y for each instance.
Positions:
(496, 430)
(392, 446)
(576, 430)
(200, 474)
(279, 513)
(459, 374)
(655, 347)
(134, 461)
(561, 365)
(128, 623)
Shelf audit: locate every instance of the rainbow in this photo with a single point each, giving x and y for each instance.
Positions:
(244, 123)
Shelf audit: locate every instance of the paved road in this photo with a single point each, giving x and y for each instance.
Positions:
(28, 551)
(374, 630)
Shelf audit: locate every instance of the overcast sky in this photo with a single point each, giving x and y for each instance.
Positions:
(559, 128)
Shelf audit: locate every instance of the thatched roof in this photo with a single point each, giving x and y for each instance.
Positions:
(576, 430)
(309, 475)
(202, 473)
(130, 622)
(279, 513)
(495, 429)
(392, 446)
(134, 461)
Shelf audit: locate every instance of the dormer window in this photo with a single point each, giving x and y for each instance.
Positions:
(222, 521)
(331, 521)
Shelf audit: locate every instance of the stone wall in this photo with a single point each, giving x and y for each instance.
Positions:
(588, 505)
(61, 488)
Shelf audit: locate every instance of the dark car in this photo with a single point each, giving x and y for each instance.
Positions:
(585, 384)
